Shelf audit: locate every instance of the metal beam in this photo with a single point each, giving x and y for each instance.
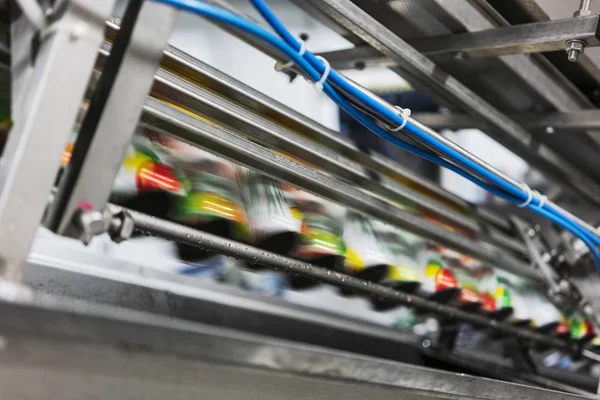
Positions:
(554, 122)
(535, 37)
(46, 104)
(110, 123)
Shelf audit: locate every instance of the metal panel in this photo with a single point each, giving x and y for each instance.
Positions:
(162, 117)
(68, 350)
(43, 120)
(110, 123)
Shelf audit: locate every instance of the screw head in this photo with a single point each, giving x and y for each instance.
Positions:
(574, 49)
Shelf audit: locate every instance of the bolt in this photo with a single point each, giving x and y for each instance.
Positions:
(550, 130)
(121, 227)
(584, 9)
(90, 224)
(574, 49)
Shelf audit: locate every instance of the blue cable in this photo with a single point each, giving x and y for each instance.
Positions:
(314, 68)
(339, 80)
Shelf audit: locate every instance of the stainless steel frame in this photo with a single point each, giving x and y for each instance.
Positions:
(47, 103)
(110, 123)
(536, 37)
(43, 337)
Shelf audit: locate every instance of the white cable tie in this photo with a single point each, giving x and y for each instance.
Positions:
(405, 112)
(320, 82)
(282, 67)
(543, 199)
(529, 198)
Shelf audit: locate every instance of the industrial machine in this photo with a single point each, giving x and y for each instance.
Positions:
(300, 264)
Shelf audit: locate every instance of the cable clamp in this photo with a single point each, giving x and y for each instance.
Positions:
(533, 194)
(405, 113)
(282, 67)
(320, 82)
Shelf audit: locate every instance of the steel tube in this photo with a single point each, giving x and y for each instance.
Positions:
(193, 237)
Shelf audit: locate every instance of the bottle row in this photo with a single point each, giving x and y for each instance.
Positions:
(171, 179)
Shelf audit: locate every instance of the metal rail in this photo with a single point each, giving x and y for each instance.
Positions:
(180, 233)
(77, 350)
(534, 37)
(205, 103)
(165, 118)
(551, 122)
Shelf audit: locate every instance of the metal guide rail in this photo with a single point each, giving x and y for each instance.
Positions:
(169, 119)
(69, 348)
(459, 83)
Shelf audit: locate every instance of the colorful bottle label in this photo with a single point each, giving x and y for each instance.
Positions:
(267, 207)
(321, 225)
(435, 274)
(365, 246)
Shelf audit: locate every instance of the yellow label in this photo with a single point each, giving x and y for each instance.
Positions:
(353, 260)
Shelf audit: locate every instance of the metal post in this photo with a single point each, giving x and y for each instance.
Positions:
(109, 127)
(43, 120)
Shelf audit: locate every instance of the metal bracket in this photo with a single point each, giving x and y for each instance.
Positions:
(114, 112)
(49, 98)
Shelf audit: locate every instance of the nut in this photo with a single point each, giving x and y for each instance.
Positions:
(575, 45)
(582, 13)
(121, 227)
(90, 224)
(574, 49)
